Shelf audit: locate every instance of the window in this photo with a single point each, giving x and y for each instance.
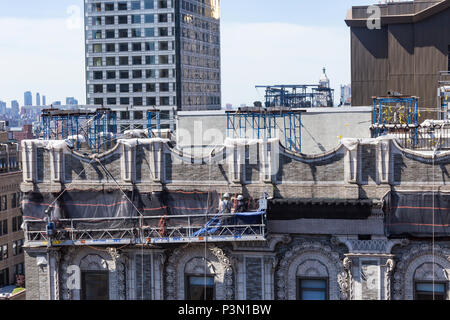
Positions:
(164, 101)
(163, 32)
(14, 200)
(162, 17)
(4, 203)
(111, 88)
(97, 34)
(136, 60)
(137, 46)
(124, 100)
(111, 101)
(124, 88)
(97, 48)
(124, 74)
(123, 19)
(5, 227)
(164, 73)
(135, 33)
(425, 290)
(123, 47)
(162, 4)
(135, 5)
(135, 18)
(98, 88)
(98, 101)
(110, 34)
(97, 62)
(110, 47)
(149, 32)
(138, 115)
(165, 115)
(97, 21)
(124, 115)
(163, 59)
(4, 277)
(110, 74)
(137, 101)
(109, 6)
(199, 288)
(97, 7)
(150, 60)
(14, 224)
(109, 20)
(110, 61)
(150, 87)
(123, 61)
(149, 4)
(122, 6)
(94, 285)
(5, 251)
(18, 269)
(124, 127)
(151, 101)
(137, 87)
(312, 289)
(163, 45)
(163, 87)
(123, 33)
(137, 74)
(149, 18)
(149, 74)
(149, 46)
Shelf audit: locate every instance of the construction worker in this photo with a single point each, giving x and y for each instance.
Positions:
(225, 204)
(240, 206)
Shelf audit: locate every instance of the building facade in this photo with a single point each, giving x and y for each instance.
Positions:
(161, 54)
(400, 52)
(11, 235)
(347, 224)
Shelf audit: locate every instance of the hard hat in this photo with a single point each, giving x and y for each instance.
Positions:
(226, 195)
(240, 197)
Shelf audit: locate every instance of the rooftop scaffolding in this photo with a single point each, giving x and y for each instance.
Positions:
(261, 123)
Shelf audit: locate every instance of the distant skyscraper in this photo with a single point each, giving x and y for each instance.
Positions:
(71, 101)
(163, 54)
(346, 95)
(38, 99)
(2, 108)
(56, 103)
(43, 101)
(15, 107)
(27, 99)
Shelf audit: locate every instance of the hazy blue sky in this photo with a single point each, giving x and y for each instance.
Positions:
(263, 42)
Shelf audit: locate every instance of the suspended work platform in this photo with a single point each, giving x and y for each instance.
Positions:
(79, 218)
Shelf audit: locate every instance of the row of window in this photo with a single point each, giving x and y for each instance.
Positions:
(135, 46)
(135, 101)
(132, 33)
(135, 87)
(132, 19)
(17, 249)
(135, 61)
(196, 22)
(135, 74)
(200, 48)
(200, 61)
(134, 5)
(200, 36)
(190, 73)
(189, 100)
(16, 223)
(15, 201)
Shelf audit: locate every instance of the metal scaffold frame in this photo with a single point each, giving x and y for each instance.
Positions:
(298, 96)
(64, 124)
(395, 114)
(259, 123)
(443, 99)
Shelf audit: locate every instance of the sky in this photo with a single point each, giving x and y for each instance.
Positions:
(263, 42)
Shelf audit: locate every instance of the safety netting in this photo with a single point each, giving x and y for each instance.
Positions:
(418, 214)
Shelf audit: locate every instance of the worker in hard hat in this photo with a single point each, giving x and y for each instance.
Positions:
(225, 204)
(240, 205)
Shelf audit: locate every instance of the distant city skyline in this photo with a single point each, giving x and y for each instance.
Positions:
(263, 43)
